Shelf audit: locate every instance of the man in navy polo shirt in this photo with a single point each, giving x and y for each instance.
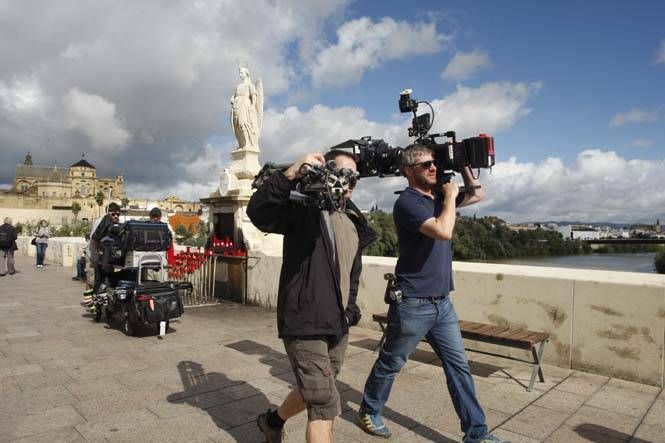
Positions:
(425, 220)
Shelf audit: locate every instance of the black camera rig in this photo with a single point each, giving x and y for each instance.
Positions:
(324, 186)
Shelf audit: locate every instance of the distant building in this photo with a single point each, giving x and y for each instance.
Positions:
(579, 232)
(523, 226)
(49, 192)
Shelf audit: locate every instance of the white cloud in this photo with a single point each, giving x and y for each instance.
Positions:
(599, 186)
(464, 65)
(291, 133)
(95, 117)
(643, 143)
(23, 95)
(363, 45)
(635, 115)
(490, 108)
(660, 54)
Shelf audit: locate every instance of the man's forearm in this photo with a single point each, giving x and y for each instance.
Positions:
(446, 220)
(473, 189)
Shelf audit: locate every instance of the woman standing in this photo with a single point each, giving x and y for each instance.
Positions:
(41, 241)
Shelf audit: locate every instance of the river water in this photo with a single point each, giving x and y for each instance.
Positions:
(642, 262)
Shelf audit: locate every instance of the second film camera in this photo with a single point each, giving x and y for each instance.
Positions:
(323, 186)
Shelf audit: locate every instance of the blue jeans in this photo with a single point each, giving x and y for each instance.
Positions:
(408, 323)
(41, 252)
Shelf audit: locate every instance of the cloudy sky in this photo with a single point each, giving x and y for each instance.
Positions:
(569, 90)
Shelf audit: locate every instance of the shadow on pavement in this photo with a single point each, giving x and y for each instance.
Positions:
(271, 357)
(204, 390)
(601, 434)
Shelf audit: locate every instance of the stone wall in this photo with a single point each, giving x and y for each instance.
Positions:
(610, 323)
(55, 217)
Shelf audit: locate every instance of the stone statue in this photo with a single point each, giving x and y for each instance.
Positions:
(247, 112)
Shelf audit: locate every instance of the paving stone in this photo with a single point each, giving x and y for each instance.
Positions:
(142, 425)
(98, 407)
(202, 402)
(603, 422)
(582, 383)
(633, 386)
(656, 414)
(98, 388)
(8, 362)
(561, 401)
(241, 412)
(61, 435)
(649, 433)
(20, 370)
(105, 366)
(43, 379)
(513, 437)
(30, 402)
(535, 422)
(40, 422)
(621, 400)
(8, 386)
(508, 397)
(584, 433)
(248, 432)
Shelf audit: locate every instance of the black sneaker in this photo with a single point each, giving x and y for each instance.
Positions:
(272, 435)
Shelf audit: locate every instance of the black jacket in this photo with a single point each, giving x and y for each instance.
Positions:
(309, 302)
(10, 234)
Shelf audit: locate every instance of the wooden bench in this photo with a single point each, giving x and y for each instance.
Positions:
(498, 335)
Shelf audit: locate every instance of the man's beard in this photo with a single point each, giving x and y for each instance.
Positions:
(425, 182)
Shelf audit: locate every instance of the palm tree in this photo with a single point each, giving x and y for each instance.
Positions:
(99, 198)
(76, 208)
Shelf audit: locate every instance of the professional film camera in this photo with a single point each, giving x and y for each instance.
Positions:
(324, 186)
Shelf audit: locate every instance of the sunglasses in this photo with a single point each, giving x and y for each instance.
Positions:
(427, 164)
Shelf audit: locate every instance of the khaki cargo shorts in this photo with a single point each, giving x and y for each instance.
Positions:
(316, 363)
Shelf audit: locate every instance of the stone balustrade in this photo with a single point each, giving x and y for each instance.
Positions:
(610, 323)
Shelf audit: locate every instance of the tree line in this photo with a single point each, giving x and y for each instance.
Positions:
(483, 238)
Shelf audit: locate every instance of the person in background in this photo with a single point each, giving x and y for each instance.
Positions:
(155, 215)
(7, 247)
(100, 229)
(41, 241)
(80, 267)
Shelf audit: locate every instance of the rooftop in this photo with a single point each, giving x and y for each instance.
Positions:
(64, 377)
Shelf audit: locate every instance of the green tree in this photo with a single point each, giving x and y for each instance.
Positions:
(659, 262)
(384, 226)
(124, 202)
(76, 208)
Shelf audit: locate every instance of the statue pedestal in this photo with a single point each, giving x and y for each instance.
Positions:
(237, 179)
(229, 217)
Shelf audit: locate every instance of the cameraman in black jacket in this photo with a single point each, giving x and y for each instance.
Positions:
(318, 287)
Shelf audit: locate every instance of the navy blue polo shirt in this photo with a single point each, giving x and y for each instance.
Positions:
(424, 267)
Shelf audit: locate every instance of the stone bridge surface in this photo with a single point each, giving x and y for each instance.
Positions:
(65, 378)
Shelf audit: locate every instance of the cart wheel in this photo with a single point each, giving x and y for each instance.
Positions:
(98, 313)
(127, 326)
